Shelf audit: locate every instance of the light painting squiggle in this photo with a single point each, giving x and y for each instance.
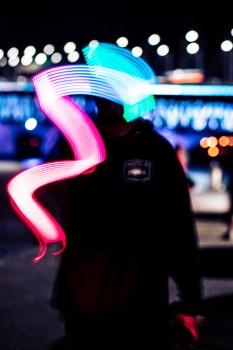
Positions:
(88, 150)
(53, 86)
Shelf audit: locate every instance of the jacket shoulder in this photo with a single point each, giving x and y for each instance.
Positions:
(146, 127)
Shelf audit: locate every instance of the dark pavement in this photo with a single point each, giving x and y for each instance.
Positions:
(27, 322)
(26, 319)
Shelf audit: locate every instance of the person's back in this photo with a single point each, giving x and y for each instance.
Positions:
(129, 227)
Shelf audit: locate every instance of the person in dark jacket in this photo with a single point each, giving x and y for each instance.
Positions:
(130, 227)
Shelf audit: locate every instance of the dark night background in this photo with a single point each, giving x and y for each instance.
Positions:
(82, 21)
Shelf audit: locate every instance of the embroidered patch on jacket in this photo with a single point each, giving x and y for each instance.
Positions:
(137, 170)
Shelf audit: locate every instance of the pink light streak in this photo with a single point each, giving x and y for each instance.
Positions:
(88, 149)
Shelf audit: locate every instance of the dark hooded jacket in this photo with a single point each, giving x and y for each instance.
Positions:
(129, 227)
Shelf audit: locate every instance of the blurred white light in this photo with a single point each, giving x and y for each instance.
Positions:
(69, 47)
(137, 51)
(199, 124)
(40, 59)
(226, 46)
(153, 39)
(122, 41)
(162, 50)
(30, 124)
(56, 57)
(30, 50)
(192, 48)
(26, 60)
(93, 43)
(73, 56)
(13, 52)
(13, 62)
(49, 49)
(1, 53)
(191, 36)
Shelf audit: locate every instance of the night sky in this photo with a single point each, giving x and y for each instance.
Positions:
(83, 21)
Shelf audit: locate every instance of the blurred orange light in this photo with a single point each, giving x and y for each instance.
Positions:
(224, 141)
(186, 76)
(213, 151)
(203, 142)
